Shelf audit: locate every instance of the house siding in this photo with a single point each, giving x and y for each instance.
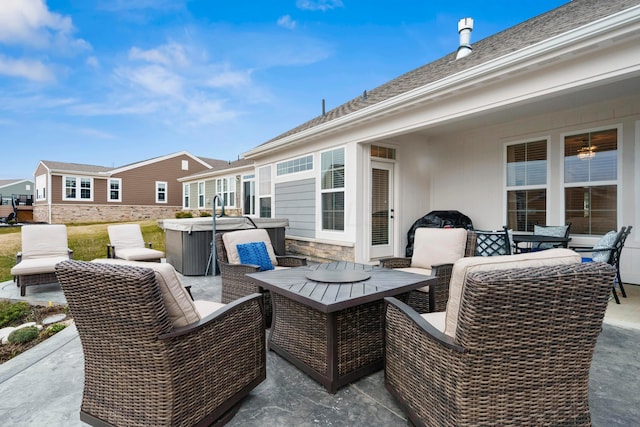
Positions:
(296, 201)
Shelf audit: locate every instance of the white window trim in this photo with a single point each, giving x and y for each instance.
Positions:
(201, 195)
(166, 191)
(78, 189)
(231, 183)
(322, 191)
(278, 174)
(119, 199)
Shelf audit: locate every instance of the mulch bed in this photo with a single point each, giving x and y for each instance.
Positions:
(37, 313)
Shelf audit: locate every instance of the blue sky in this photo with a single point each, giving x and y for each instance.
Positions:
(110, 82)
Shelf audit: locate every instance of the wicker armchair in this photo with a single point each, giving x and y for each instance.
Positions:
(43, 246)
(141, 369)
(520, 354)
(232, 273)
(435, 299)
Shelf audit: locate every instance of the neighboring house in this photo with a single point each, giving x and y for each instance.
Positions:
(20, 187)
(234, 182)
(69, 192)
(539, 123)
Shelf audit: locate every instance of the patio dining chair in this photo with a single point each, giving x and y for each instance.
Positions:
(551, 230)
(492, 358)
(152, 356)
(126, 242)
(493, 243)
(43, 246)
(435, 250)
(257, 254)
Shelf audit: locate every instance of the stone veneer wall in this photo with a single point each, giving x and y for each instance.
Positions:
(64, 214)
(319, 252)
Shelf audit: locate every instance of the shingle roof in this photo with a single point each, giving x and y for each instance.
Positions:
(4, 182)
(75, 167)
(572, 15)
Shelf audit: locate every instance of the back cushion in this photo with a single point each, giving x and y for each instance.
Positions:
(605, 242)
(44, 241)
(125, 236)
(232, 239)
(433, 246)
(180, 307)
(468, 265)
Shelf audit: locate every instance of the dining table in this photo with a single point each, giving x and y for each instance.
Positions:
(533, 241)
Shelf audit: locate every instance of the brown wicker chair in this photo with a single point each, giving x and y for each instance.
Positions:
(520, 355)
(438, 295)
(234, 283)
(140, 369)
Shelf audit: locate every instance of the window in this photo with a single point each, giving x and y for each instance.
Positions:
(295, 165)
(185, 165)
(41, 187)
(114, 193)
(226, 187)
(249, 194)
(201, 195)
(383, 152)
(332, 190)
(591, 181)
(526, 185)
(77, 188)
(264, 187)
(185, 192)
(161, 192)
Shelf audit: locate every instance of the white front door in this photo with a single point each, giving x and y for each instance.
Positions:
(381, 210)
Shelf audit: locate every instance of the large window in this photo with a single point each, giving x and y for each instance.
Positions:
(591, 181)
(264, 187)
(295, 165)
(161, 192)
(332, 189)
(226, 187)
(115, 190)
(186, 190)
(526, 185)
(201, 195)
(77, 188)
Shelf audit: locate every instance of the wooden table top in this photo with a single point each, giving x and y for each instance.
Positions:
(335, 295)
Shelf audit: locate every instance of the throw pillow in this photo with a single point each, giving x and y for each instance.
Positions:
(255, 253)
(605, 242)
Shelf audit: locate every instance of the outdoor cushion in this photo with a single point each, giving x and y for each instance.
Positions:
(37, 265)
(434, 246)
(234, 238)
(180, 308)
(205, 308)
(255, 253)
(44, 241)
(138, 254)
(468, 265)
(125, 236)
(549, 230)
(435, 319)
(605, 242)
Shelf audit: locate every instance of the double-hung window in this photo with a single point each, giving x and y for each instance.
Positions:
(185, 193)
(332, 189)
(201, 195)
(264, 191)
(526, 177)
(77, 188)
(161, 192)
(114, 192)
(226, 187)
(591, 181)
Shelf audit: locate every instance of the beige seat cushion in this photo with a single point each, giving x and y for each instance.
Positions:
(37, 265)
(436, 319)
(44, 241)
(180, 307)
(234, 238)
(138, 254)
(125, 236)
(467, 265)
(434, 246)
(205, 308)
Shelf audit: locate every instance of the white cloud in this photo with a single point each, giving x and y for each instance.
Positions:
(29, 22)
(230, 79)
(93, 62)
(286, 22)
(168, 54)
(322, 5)
(95, 133)
(29, 69)
(153, 79)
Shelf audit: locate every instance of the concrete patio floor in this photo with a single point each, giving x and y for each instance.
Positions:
(43, 386)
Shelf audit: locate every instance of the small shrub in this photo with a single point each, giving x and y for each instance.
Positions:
(184, 214)
(205, 213)
(54, 329)
(23, 335)
(12, 311)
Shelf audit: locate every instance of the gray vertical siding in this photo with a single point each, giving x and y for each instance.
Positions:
(296, 200)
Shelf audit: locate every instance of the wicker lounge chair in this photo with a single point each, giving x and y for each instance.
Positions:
(126, 242)
(426, 300)
(520, 353)
(141, 367)
(43, 246)
(234, 283)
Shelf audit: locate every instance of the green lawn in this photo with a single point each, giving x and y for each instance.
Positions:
(88, 241)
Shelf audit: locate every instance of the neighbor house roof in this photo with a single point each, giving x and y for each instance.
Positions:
(570, 16)
(219, 169)
(8, 182)
(54, 166)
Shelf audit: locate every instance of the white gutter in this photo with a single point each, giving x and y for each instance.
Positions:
(554, 48)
